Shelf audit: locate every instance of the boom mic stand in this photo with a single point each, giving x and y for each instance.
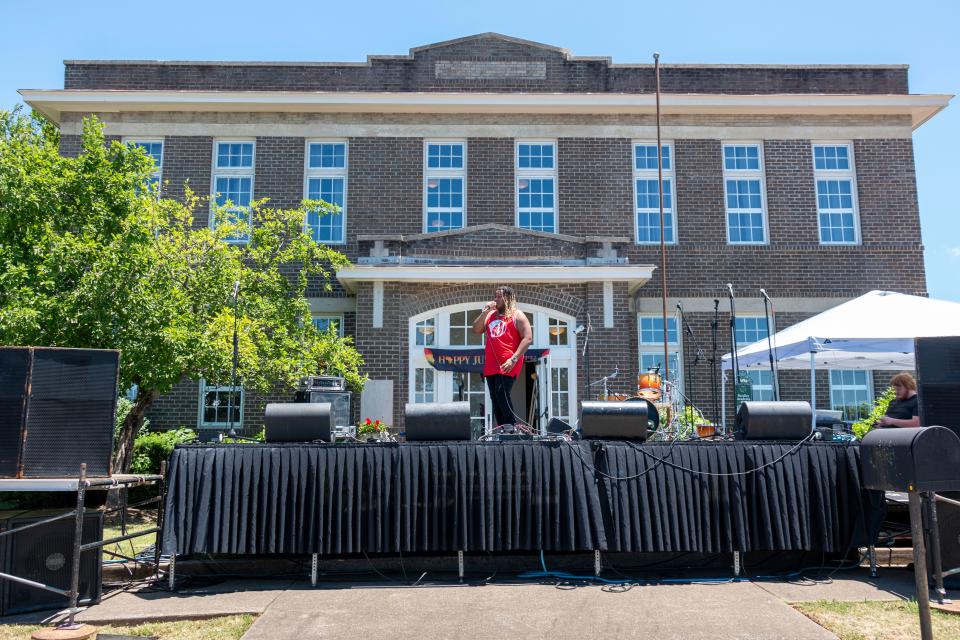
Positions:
(697, 357)
(586, 352)
(683, 354)
(734, 360)
(770, 317)
(236, 354)
(714, 325)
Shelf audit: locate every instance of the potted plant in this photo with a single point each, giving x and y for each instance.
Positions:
(372, 430)
(861, 427)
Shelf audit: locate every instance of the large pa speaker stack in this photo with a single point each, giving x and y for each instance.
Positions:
(938, 381)
(45, 554)
(57, 410)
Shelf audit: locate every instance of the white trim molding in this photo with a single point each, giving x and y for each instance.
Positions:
(634, 275)
(53, 103)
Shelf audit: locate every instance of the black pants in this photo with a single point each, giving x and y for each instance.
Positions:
(500, 386)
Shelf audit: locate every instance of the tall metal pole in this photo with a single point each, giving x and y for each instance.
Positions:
(663, 229)
(920, 565)
(236, 354)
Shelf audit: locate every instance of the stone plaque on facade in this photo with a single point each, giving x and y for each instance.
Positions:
(491, 70)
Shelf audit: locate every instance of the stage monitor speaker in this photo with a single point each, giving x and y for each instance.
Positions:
(556, 425)
(938, 381)
(45, 554)
(57, 410)
(437, 421)
(784, 420)
(614, 420)
(297, 422)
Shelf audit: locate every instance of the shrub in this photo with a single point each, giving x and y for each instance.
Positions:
(153, 447)
(862, 427)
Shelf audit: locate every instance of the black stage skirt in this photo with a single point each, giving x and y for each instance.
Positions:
(517, 497)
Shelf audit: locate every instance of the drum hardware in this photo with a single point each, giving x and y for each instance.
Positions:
(604, 380)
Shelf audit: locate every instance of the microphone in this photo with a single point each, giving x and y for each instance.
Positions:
(236, 289)
(764, 294)
(730, 289)
(616, 370)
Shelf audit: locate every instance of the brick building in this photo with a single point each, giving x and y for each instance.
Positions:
(489, 159)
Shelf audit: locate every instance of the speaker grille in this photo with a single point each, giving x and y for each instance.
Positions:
(938, 381)
(14, 369)
(71, 412)
(45, 554)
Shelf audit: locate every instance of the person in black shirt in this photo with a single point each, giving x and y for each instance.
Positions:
(904, 410)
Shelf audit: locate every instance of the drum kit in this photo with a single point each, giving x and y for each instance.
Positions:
(665, 404)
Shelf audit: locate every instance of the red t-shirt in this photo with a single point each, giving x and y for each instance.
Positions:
(503, 338)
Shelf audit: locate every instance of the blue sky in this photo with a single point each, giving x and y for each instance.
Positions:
(37, 38)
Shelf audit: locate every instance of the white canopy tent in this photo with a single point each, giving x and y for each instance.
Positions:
(874, 331)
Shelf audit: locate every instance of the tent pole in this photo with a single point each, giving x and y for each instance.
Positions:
(813, 389)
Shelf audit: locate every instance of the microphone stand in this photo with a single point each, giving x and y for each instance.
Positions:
(586, 352)
(714, 325)
(733, 341)
(683, 355)
(771, 329)
(236, 354)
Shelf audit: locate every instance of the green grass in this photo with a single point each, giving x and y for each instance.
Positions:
(899, 620)
(136, 521)
(225, 628)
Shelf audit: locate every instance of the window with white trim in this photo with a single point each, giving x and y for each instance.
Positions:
(647, 193)
(836, 193)
(424, 385)
(536, 176)
(233, 171)
(461, 329)
(326, 179)
(749, 329)
(744, 193)
(651, 345)
(217, 403)
(153, 149)
(324, 323)
(851, 391)
(444, 184)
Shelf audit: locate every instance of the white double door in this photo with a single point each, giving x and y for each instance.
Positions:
(552, 394)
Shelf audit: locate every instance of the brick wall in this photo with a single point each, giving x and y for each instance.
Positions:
(490, 190)
(476, 61)
(385, 184)
(595, 188)
(187, 160)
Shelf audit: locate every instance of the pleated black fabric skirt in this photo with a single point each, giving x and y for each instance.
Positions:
(516, 496)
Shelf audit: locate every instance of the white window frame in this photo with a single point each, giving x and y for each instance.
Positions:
(673, 348)
(745, 174)
(751, 317)
(233, 172)
(868, 385)
(204, 387)
(755, 374)
(338, 318)
(652, 174)
(440, 174)
(837, 174)
(157, 173)
(329, 173)
(536, 174)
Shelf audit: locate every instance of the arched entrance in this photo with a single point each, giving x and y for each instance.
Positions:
(546, 389)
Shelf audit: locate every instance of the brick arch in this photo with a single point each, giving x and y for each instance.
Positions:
(546, 296)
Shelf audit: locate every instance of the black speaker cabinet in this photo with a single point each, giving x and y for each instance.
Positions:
(438, 421)
(57, 410)
(297, 422)
(45, 554)
(948, 526)
(784, 420)
(614, 420)
(938, 381)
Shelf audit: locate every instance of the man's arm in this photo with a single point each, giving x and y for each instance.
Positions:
(900, 422)
(481, 320)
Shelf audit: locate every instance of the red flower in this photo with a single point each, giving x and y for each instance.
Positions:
(368, 420)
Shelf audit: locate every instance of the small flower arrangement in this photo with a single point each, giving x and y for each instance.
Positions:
(373, 428)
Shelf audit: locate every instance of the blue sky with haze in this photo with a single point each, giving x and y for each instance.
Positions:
(37, 38)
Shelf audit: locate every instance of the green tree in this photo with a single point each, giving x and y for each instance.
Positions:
(91, 257)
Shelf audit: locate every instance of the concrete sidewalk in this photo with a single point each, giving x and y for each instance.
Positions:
(715, 611)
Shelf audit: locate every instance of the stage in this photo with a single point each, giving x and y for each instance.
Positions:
(555, 496)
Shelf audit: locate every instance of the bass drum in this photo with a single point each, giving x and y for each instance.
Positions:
(653, 416)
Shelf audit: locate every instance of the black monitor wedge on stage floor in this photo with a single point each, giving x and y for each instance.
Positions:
(766, 420)
(297, 422)
(437, 421)
(614, 420)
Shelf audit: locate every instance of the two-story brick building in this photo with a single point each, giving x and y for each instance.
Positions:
(489, 160)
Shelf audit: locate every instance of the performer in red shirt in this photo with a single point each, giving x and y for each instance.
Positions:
(508, 336)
